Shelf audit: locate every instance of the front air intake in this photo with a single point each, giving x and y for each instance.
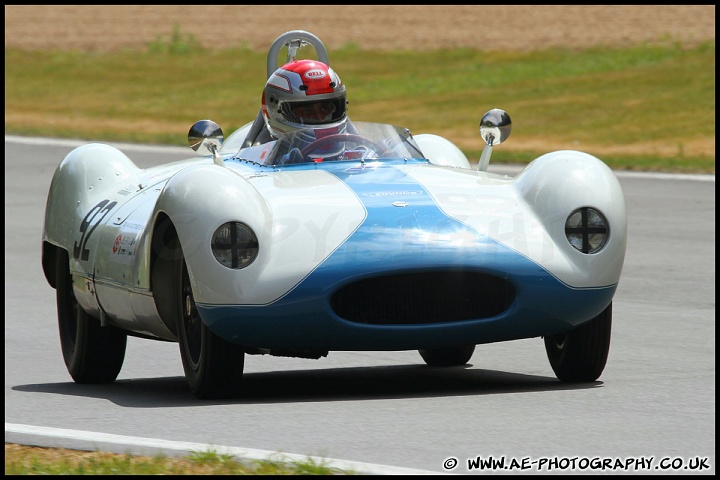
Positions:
(422, 298)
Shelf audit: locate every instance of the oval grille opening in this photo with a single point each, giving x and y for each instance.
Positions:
(420, 298)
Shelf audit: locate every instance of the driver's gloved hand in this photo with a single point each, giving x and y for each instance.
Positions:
(359, 153)
(293, 156)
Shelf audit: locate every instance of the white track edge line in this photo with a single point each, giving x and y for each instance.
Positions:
(94, 438)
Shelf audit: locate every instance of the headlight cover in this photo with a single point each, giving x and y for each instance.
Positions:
(587, 230)
(234, 245)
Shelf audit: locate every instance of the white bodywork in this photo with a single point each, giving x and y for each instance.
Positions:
(525, 213)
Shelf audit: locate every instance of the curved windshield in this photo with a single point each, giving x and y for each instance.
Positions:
(358, 141)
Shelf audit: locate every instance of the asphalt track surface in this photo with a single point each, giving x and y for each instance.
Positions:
(652, 410)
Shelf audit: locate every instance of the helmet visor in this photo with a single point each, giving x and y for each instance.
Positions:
(316, 112)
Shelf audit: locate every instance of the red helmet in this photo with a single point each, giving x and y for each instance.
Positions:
(302, 94)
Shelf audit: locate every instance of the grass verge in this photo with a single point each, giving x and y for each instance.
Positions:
(647, 107)
(26, 460)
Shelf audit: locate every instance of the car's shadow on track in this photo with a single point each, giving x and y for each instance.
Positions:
(317, 385)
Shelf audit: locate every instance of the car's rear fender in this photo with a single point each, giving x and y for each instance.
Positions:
(79, 181)
(441, 151)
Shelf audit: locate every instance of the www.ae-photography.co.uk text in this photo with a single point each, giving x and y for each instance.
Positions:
(599, 464)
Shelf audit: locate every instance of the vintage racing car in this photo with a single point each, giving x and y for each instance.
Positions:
(366, 239)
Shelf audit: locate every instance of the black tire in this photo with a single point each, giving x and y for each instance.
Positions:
(92, 353)
(213, 367)
(448, 357)
(580, 355)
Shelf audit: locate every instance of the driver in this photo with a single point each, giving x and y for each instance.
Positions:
(303, 101)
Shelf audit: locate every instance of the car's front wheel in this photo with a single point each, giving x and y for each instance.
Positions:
(92, 353)
(213, 367)
(580, 355)
(448, 357)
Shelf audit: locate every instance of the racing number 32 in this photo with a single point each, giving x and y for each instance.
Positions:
(91, 220)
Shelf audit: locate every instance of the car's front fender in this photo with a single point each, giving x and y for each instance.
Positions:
(198, 200)
(556, 184)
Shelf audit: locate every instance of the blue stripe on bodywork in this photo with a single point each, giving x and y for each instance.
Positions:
(405, 231)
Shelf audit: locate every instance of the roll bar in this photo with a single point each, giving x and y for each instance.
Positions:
(294, 40)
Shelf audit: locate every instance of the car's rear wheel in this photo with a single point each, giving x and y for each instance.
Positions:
(213, 367)
(580, 355)
(92, 353)
(448, 357)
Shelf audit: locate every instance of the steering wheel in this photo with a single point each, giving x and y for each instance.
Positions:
(342, 137)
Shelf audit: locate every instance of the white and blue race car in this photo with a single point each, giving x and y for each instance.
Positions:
(395, 243)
